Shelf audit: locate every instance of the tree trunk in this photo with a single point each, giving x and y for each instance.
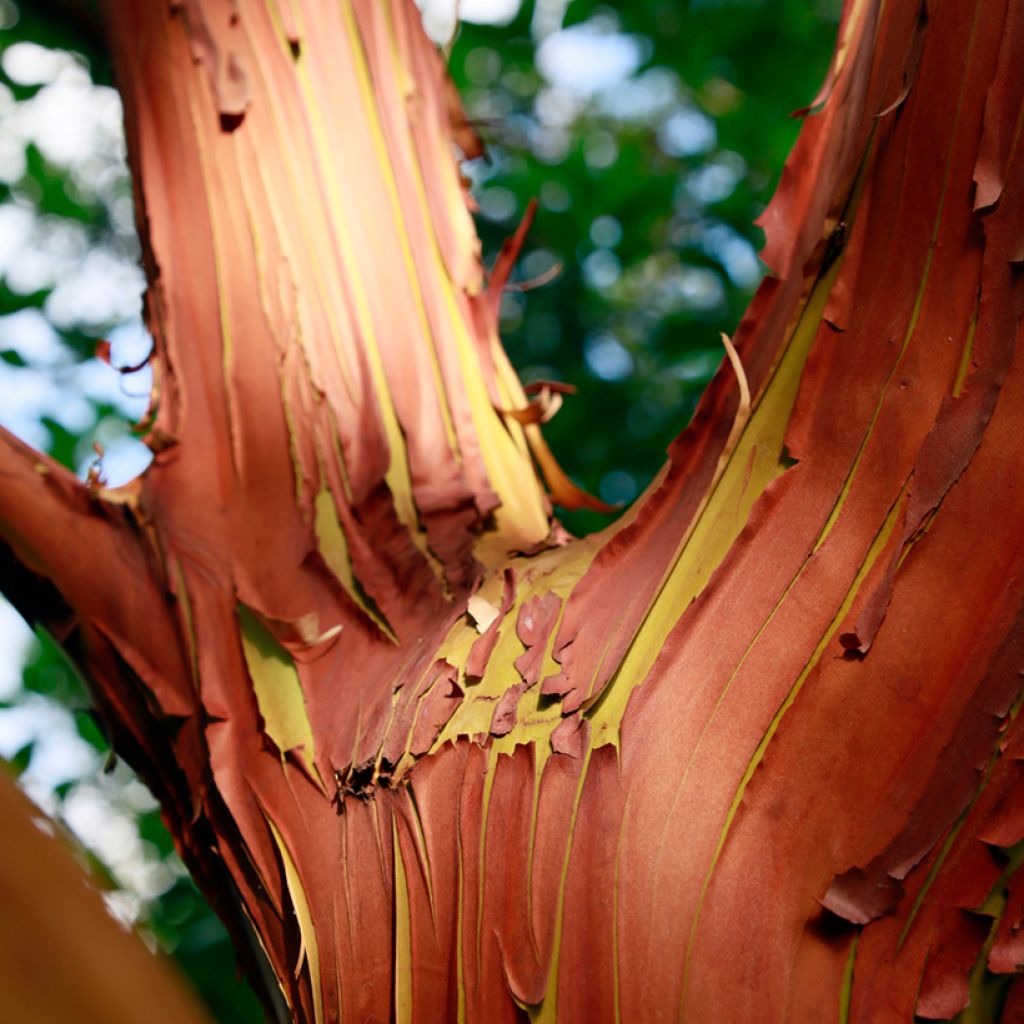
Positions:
(750, 754)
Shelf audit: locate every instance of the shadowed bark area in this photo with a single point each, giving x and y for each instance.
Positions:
(62, 957)
(750, 754)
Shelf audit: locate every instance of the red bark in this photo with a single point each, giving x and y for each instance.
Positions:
(750, 754)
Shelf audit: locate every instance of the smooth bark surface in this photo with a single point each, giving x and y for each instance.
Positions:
(62, 957)
(750, 754)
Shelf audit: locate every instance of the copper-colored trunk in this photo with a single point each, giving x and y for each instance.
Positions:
(751, 754)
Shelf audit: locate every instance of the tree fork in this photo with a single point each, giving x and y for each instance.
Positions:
(753, 752)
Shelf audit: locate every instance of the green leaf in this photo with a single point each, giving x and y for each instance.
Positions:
(91, 731)
(20, 761)
(51, 673)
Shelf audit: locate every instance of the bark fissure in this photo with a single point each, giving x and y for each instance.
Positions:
(458, 765)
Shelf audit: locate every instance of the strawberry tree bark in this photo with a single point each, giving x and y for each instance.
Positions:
(751, 753)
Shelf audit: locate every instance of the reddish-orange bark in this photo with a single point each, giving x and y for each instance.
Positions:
(62, 957)
(752, 753)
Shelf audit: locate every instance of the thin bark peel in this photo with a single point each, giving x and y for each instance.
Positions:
(751, 752)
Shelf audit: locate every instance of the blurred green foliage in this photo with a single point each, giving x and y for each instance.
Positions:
(652, 135)
(648, 191)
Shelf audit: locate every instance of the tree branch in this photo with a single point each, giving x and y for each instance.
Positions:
(82, 560)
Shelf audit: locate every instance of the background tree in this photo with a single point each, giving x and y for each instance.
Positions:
(740, 562)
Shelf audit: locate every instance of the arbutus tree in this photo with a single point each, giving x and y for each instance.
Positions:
(751, 753)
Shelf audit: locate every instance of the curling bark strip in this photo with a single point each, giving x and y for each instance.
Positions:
(751, 752)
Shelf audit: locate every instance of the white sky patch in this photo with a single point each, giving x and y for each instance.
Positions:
(687, 132)
(29, 395)
(59, 753)
(716, 180)
(548, 16)
(124, 456)
(556, 107)
(12, 152)
(28, 333)
(69, 118)
(440, 17)
(644, 98)
(54, 387)
(489, 12)
(15, 643)
(588, 59)
(16, 224)
(76, 126)
(31, 64)
(103, 288)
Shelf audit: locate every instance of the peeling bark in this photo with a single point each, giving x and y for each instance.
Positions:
(752, 753)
